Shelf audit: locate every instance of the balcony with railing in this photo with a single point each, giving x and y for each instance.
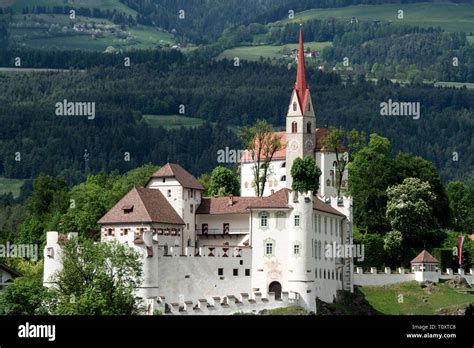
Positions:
(221, 232)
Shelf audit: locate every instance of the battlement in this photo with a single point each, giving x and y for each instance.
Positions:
(375, 277)
(227, 305)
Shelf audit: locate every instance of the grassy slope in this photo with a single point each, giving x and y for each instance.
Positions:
(18, 5)
(172, 121)
(385, 298)
(29, 35)
(10, 185)
(449, 16)
(266, 51)
(455, 84)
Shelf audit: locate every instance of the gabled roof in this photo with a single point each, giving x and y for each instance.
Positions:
(9, 270)
(424, 257)
(143, 205)
(242, 205)
(278, 199)
(186, 179)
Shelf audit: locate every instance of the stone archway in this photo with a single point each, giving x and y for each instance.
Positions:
(276, 288)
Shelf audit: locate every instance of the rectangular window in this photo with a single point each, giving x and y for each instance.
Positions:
(297, 220)
(220, 271)
(269, 248)
(319, 223)
(247, 272)
(191, 208)
(125, 231)
(296, 249)
(331, 223)
(236, 272)
(325, 225)
(264, 220)
(164, 179)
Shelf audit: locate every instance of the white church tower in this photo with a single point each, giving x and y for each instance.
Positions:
(300, 119)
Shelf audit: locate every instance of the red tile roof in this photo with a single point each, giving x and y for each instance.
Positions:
(241, 205)
(185, 178)
(318, 204)
(319, 134)
(425, 257)
(146, 205)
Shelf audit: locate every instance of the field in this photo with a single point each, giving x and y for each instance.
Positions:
(18, 5)
(449, 16)
(10, 185)
(172, 121)
(385, 298)
(49, 31)
(267, 51)
(455, 84)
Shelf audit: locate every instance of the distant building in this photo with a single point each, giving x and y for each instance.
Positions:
(7, 274)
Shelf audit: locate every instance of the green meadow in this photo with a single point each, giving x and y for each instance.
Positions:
(415, 300)
(267, 51)
(449, 16)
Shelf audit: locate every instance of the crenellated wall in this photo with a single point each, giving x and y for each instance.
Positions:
(226, 305)
(375, 278)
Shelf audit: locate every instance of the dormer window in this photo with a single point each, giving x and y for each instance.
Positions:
(127, 209)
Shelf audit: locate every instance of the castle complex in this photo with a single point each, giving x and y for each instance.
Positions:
(202, 252)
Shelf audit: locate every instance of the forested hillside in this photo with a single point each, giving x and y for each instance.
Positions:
(214, 91)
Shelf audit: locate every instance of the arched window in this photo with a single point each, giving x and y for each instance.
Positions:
(283, 178)
(283, 165)
(294, 106)
(308, 127)
(294, 127)
(309, 106)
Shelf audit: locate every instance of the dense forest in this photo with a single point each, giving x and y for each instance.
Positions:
(215, 91)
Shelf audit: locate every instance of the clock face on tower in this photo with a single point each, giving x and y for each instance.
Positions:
(309, 145)
(294, 145)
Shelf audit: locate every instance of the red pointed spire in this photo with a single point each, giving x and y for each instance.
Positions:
(300, 85)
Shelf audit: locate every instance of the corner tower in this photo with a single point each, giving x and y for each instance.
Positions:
(300, 119)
